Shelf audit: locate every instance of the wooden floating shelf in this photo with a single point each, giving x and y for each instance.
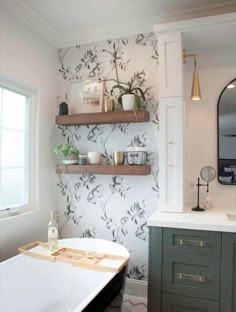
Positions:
(105, 169)
(103, 118)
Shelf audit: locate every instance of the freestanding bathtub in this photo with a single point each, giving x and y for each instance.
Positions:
(33, 285)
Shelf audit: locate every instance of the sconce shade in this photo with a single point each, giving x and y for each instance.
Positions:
(196, 92)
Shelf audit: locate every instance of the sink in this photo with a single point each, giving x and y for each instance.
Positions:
(231, 216)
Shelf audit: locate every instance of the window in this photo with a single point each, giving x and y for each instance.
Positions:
(15, 152)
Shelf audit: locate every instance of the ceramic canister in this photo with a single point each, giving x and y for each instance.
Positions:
(94, 158)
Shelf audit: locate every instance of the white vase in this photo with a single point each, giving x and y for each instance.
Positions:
(94, 158)
(128, 101)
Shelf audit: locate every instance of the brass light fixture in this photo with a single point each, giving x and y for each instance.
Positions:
(196, 92)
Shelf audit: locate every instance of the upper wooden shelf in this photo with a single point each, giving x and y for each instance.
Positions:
(105, 169)
(103, 118)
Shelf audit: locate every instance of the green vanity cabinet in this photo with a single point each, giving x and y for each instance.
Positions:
(191, 271)
(228, 273)
(155, 269)
(175, 303)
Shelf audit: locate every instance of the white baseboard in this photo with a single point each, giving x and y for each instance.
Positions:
(136, 288)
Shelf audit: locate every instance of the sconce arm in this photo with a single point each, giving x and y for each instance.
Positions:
(185, 55)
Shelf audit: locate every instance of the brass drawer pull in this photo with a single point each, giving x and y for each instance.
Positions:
(189, 277)
(189, 242)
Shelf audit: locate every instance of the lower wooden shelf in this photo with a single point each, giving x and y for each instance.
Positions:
(105, 169)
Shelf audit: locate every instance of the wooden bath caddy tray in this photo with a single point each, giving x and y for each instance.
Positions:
(85, 259)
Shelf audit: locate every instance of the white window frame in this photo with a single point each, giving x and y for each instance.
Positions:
(32, 94)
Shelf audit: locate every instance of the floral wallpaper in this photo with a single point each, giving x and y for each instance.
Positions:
(101, 206)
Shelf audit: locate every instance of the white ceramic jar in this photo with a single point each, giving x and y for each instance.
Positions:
(94, 158)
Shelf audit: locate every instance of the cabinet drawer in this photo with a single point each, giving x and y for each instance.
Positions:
(174, 303)
(191, 275)
(191, 241)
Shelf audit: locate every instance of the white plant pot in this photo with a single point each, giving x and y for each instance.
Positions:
(71, 159)
(128, 101)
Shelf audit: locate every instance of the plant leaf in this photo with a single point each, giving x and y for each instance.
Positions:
(121, 88)
(140, 91)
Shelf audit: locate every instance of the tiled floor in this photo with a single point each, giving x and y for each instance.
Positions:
(130, 304)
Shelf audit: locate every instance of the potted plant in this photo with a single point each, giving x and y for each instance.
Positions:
(68, 153)
(131, 96)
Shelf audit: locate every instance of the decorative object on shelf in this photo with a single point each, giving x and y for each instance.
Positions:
(63, 108)
(131, 94)
(108, 105)
(208, 174)
(82, 159)
(196, 92)
(68, 153)
(128, 101)
(94, 158)
(125, 158)
(85, 96)
(136, 155)
(118, 158)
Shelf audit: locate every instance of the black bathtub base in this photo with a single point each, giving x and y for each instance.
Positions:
(108, 293)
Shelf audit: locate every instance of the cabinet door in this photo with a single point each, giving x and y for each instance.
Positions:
(191, 275)
(154, 269)
(171, 114)
(191, 241)
(174, 303)
(228, 273)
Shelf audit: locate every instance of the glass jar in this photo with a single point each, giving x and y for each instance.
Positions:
(82, 159)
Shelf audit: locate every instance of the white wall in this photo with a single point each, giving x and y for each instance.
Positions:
(216, 69)
(28, 58)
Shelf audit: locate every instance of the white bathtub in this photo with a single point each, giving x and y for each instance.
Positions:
(33, 285)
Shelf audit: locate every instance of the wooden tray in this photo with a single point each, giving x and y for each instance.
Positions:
(86, 259)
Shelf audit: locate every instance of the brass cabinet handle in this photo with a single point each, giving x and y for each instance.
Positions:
(189, 277)
(189, 242)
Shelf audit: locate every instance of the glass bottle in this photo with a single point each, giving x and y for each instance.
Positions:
(52, 232)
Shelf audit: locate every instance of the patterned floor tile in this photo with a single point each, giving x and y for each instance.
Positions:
(130, 304)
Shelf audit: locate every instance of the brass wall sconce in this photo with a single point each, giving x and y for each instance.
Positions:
(196, 92)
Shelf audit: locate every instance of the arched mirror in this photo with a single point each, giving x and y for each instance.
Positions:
(226, 123)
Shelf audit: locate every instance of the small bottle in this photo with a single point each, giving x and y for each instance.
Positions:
(52, 232)
(208, 203)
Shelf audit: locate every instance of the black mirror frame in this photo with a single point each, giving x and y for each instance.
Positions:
(218, 150)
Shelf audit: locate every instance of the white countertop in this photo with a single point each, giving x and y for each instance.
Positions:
(211, 220)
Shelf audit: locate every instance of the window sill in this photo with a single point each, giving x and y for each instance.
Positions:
(11, 213)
